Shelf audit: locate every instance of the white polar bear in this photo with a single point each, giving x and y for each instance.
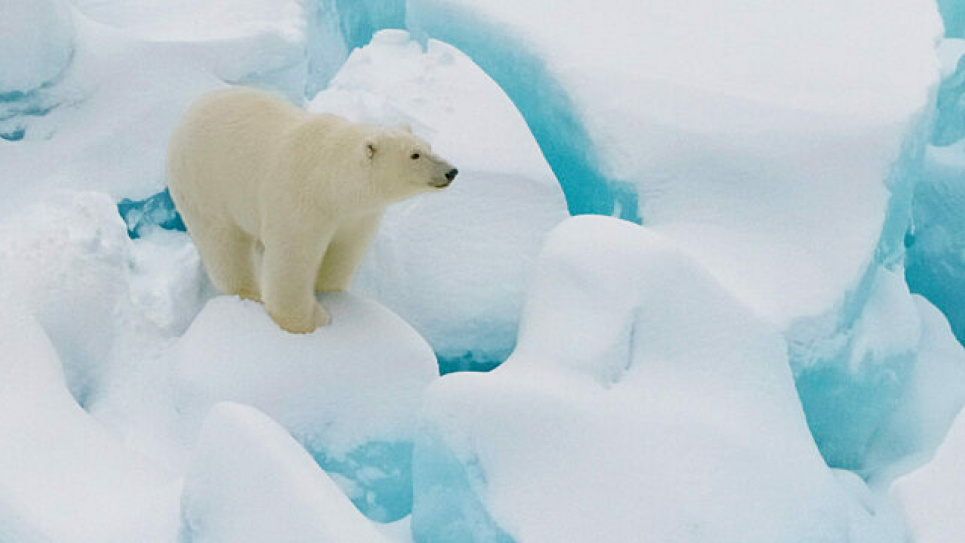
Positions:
(282, 203)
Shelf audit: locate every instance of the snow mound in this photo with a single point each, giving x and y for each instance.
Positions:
(249, 481)
(36, 44)
(63, 256)
(933, 497)
(641, 399)
(454, 264)
(348, 392)
(63, 478)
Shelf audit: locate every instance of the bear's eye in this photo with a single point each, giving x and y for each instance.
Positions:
(415, 156)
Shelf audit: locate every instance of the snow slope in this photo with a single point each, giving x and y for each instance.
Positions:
(638, 390)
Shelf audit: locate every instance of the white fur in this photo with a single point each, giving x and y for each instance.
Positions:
(282, 203)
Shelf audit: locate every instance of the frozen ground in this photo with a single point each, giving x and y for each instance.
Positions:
(750, 364)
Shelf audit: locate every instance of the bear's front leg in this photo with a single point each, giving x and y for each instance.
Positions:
(289, 270)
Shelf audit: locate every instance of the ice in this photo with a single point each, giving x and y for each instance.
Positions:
(936, 268)
(953, 12)
(37, 43)
(851, 380)
(453, 264)
(249, 481)
(933, 498)
(641, 399)
(155, 211)
(934, 395)
(347, 392)
(63, 478)
(788, 183)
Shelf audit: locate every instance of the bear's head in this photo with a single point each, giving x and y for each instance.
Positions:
(404, 165)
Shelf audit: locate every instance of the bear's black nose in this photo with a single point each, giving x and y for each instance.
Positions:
(451, 174)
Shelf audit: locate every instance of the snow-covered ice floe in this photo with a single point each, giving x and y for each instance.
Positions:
(773, 142)
(639, 389)
(348, 392)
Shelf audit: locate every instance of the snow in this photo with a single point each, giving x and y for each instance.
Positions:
(37, 43)
(932, 498)
(775, 152)
(249, 481)
(639, 388)
(65, 255)
(348, 393)
(454, 264)
(105, 123)
(769, 141)
(63, 477)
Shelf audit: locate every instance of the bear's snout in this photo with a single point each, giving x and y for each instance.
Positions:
(447, 177)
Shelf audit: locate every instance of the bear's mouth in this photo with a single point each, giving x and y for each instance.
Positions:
(440, 183)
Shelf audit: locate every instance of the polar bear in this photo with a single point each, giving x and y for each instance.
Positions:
(282, 203)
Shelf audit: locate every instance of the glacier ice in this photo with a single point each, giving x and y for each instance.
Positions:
(932, 498)
(454, 264)
(349, 397)
(249, 481)
(638, 386)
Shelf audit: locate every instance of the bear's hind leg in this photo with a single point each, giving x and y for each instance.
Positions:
(228, 255)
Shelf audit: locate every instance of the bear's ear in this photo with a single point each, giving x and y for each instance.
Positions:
(370, 148)
(406, 127)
